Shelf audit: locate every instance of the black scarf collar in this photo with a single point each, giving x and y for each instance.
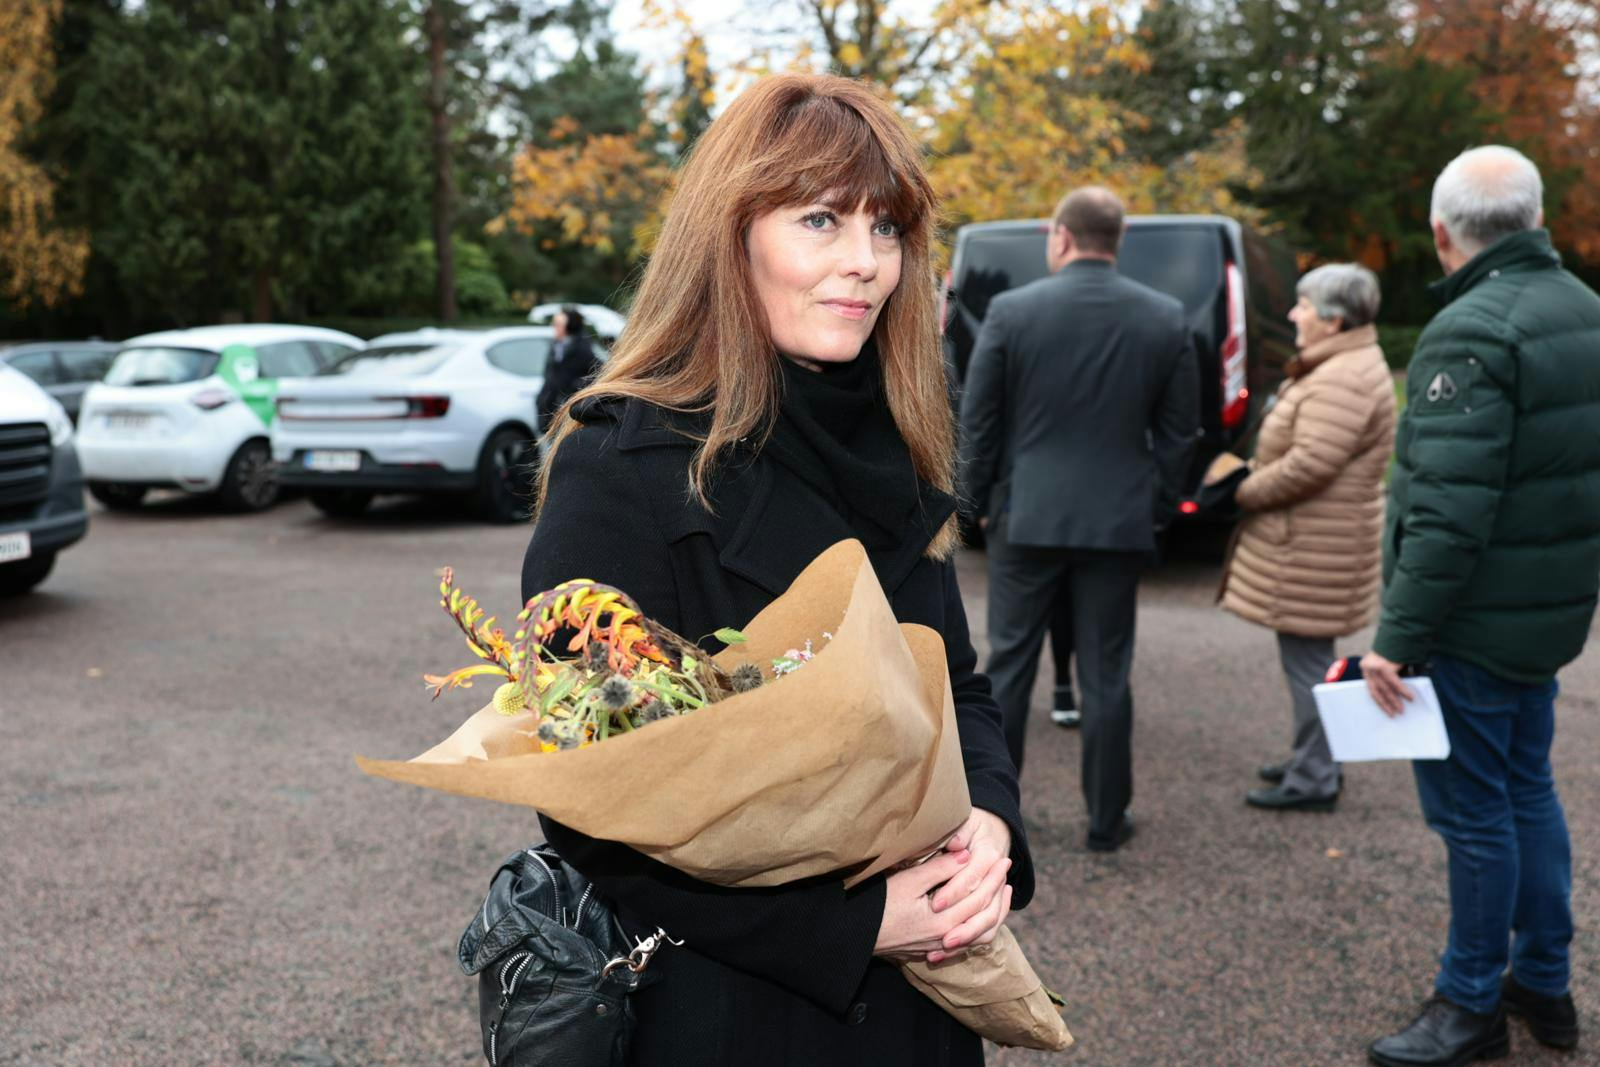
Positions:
(834, 431)
(836, 436)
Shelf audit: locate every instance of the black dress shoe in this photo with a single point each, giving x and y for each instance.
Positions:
(1444, 1035)
(1283, 798)
(1119, 837)
(1275, 772)
(1552, 1021)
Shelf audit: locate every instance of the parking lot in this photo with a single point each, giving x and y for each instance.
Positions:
(195, 872)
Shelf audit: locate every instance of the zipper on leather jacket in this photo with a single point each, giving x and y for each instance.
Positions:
(583, 902)
(555, 886)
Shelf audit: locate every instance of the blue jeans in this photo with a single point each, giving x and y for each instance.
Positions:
(1494, 802)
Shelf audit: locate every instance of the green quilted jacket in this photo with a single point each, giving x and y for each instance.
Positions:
(1492, 537)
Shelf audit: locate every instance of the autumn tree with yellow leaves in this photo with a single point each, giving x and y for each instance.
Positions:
(1004, 94)
(599, 191)
(1028, 121)
(38, 261)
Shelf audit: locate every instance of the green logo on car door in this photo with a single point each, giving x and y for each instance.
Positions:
(241, 370)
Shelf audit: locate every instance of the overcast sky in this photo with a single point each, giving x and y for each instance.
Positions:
(733, 29)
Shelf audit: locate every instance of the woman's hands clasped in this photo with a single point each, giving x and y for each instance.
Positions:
(955, 900)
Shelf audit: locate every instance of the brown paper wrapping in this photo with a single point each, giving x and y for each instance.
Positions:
(994, 991)
(771, 785)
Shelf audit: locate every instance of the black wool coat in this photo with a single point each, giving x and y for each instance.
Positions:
(781, 976)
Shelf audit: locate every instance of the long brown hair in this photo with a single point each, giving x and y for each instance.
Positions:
(697, 337)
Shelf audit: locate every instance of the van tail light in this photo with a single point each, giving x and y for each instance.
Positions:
(944, 301)
(1235, 388)
(211, 399)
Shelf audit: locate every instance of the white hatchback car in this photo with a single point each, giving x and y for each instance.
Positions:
(192, 409)
(435, 410)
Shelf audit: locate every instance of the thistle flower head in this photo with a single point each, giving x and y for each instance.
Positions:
(596, 656)
(654, 711)
(745, 677)
(616, 693)
(569, 734)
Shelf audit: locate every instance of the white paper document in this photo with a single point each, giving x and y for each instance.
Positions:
(1358, 729)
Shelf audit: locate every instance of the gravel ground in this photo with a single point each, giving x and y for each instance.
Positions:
(194, 872)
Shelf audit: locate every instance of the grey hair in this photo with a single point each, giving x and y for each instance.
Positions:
(1487, 193)
(1347, 291)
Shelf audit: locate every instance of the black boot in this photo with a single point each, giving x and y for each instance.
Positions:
(1552, 1021)
(1444, 1035)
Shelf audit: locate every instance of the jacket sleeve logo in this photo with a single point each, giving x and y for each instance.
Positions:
(1443, 387)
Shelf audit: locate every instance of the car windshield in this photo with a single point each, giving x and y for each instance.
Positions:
(160, 366)
(390, 361)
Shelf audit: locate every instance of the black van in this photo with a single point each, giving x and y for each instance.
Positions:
(1237, 287)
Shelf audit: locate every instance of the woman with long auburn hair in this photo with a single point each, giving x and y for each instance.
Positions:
(779, 388)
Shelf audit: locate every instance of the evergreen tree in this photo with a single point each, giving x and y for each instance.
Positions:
(254, 156)
(1348, 121)
(577, 104)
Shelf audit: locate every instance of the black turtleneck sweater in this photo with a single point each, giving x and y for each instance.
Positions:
(835, 432)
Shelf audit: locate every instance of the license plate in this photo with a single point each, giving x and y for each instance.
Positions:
(15, 546)
(127, 420)
(333, 461)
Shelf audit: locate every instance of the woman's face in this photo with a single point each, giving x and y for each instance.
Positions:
(1309, 327)
(823, 278)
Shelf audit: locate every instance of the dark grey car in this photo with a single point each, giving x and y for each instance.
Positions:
(64, 369)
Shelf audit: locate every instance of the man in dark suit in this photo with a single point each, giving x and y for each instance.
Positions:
(1080, 416)
(572, 363)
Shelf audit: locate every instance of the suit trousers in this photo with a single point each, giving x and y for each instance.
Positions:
(1025, 585)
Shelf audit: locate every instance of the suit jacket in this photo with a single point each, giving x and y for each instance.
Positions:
(771, 976)
(572, 363)
(1081, 411)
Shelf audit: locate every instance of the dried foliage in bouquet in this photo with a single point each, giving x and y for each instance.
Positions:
(623, 671)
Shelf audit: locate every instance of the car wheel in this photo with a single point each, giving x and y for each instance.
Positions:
(117, 496)
(21, 576)
(506, 470)
(251, 481)
(340, 503)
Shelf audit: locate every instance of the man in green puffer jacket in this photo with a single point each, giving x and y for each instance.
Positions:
(1491, 569)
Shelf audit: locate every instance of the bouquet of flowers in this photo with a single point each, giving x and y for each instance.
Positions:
(851, 709)
(625, 670)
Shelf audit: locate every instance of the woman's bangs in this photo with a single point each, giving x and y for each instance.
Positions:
(830, 155)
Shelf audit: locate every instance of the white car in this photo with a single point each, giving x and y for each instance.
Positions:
(192, 409)
(435, 410)
(605, 323)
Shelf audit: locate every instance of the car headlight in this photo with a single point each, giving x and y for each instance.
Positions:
(58, 422)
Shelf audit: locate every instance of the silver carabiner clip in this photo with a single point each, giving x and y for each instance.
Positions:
(643, 949)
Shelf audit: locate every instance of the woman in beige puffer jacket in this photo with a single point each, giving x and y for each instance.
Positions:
(1307, 561)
